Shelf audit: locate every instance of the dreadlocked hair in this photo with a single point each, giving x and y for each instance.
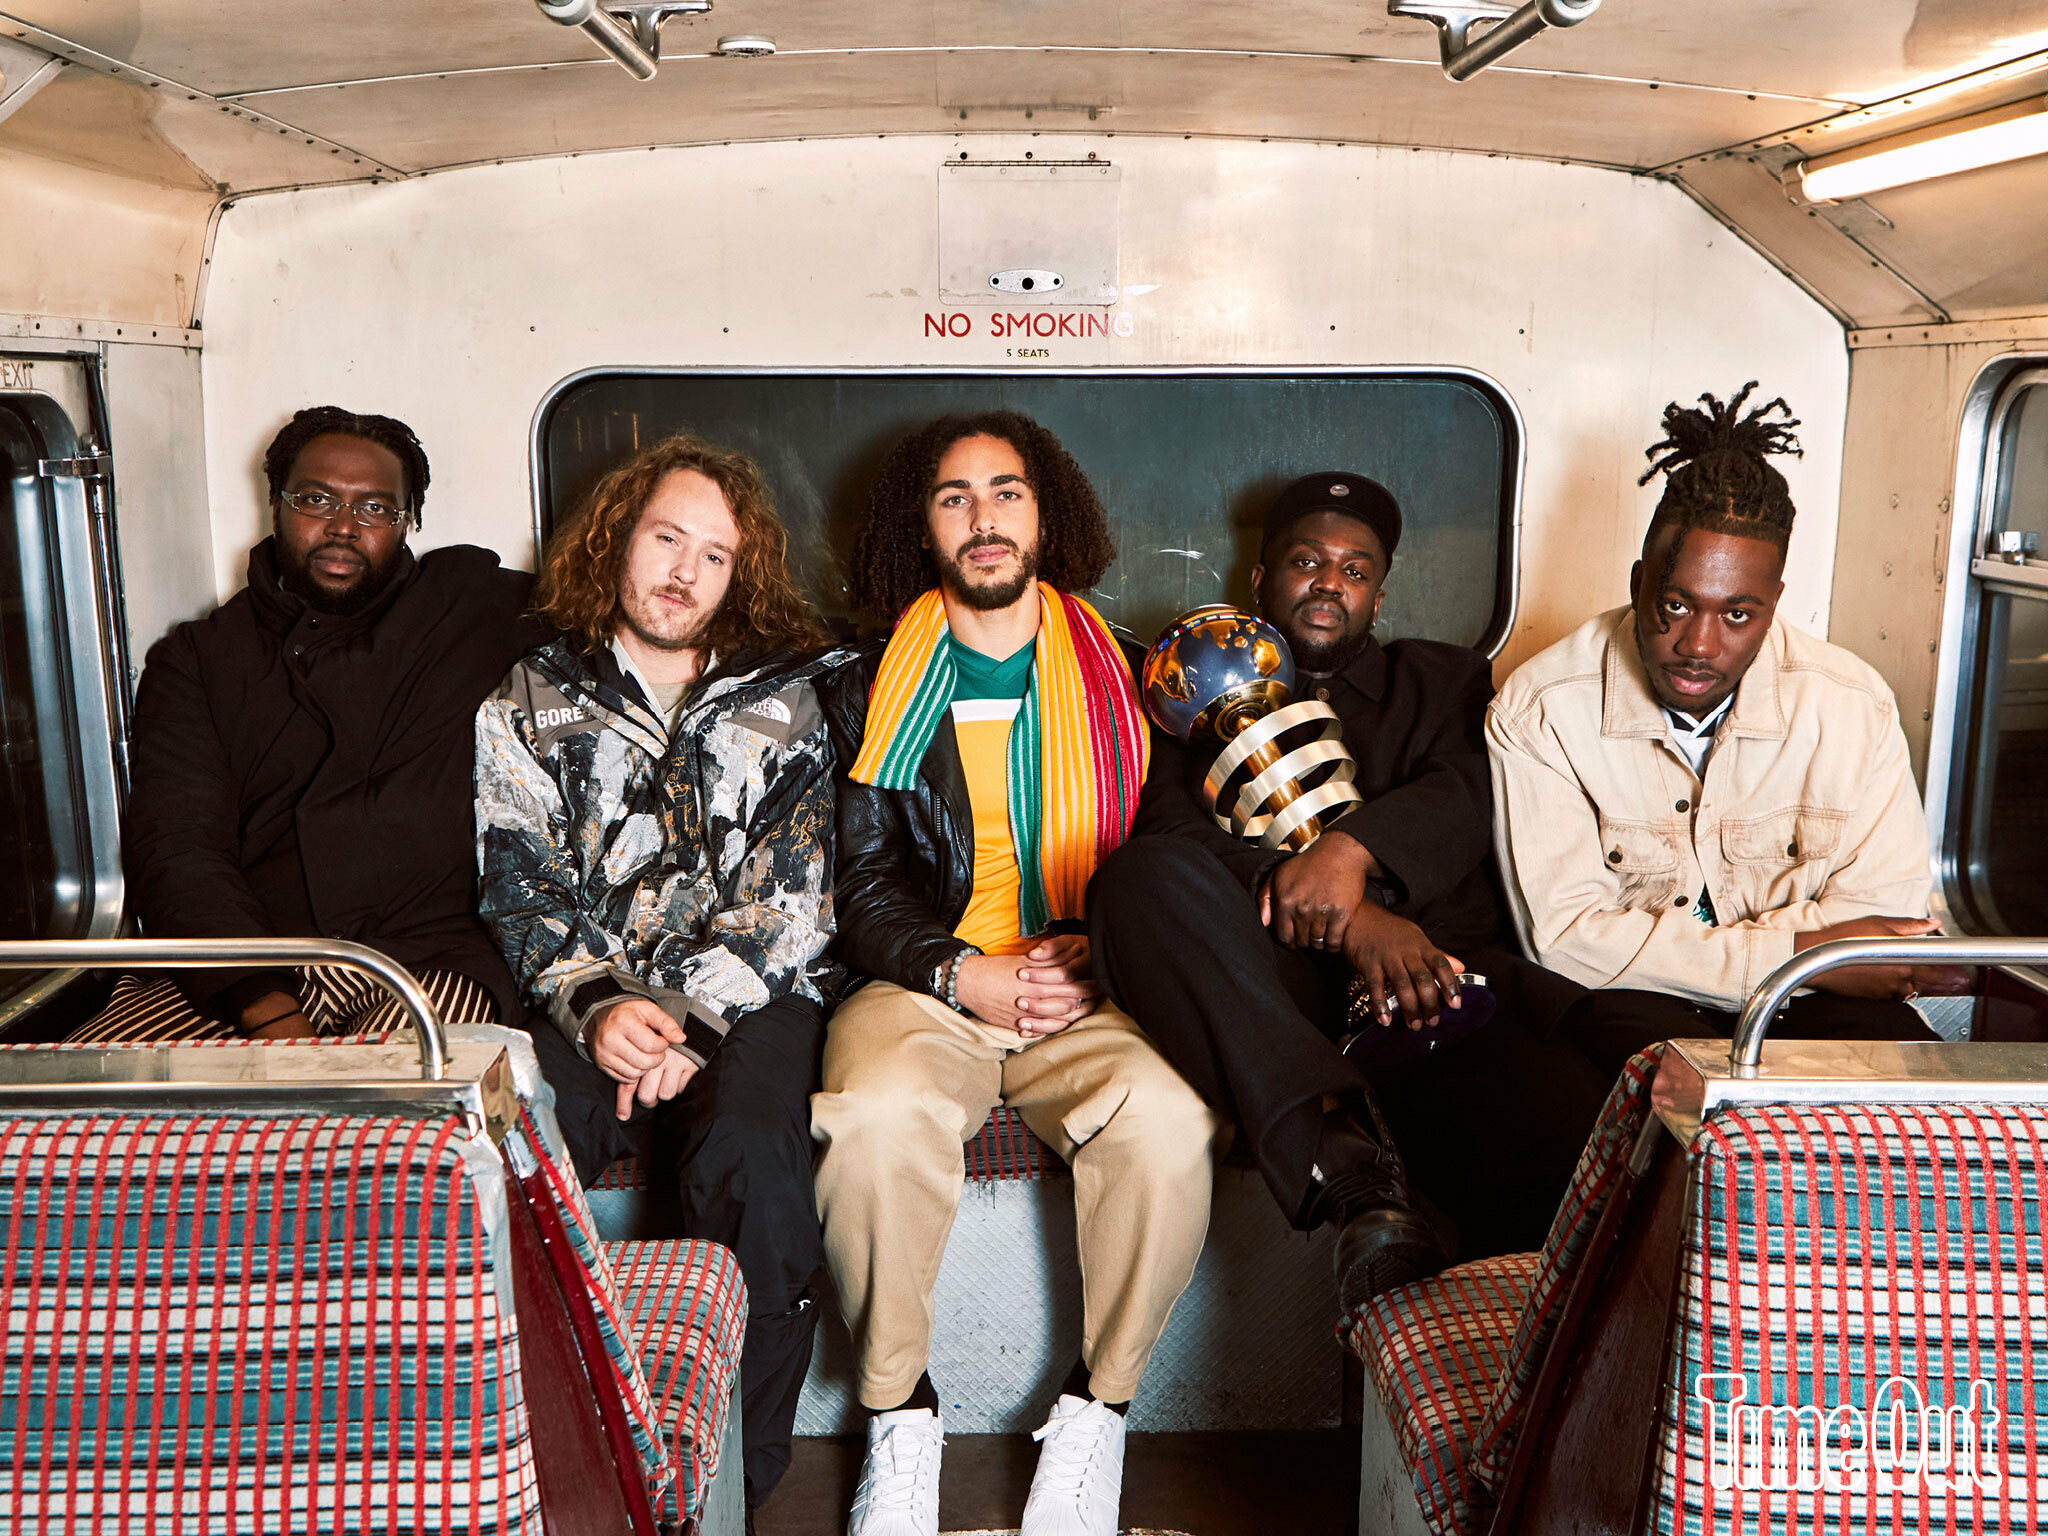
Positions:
(891, 567)
(324, 420)
(578, 587)
(1715, 477)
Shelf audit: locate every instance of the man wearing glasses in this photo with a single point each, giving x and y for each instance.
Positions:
(302, 755)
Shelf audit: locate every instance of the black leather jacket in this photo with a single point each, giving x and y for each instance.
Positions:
(906, 857)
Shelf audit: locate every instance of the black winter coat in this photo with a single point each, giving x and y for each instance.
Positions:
(906, 857)
(1414, 719)
(302, 774)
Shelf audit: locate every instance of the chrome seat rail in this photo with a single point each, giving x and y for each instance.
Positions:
(197, 954)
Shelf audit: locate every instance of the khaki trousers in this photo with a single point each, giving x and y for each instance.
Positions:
(908, 1082)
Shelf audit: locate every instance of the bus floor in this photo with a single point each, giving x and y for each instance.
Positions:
(1299, 1484)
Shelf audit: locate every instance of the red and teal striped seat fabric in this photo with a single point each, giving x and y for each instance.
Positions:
(1873, 1274)
(1436, 1350)
(686, 1309)
(671, 1321)
(259, 1323)
(1455, 1357)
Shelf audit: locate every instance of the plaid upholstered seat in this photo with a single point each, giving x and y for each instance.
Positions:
(1455, 1357)
(262, 1323)
(668, 1320)
(1837, 1248)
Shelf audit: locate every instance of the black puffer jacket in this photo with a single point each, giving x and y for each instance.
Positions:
(906, 857)
(300, 774)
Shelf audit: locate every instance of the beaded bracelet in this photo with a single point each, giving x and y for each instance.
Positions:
(953, 978)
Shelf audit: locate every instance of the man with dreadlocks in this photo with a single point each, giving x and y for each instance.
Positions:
(991, 754)
(302, 754)
(1688, 794)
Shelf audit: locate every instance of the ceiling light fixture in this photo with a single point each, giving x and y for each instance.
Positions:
(1947, 149)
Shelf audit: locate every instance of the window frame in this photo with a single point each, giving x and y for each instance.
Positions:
(84, 609)
(1956, 769)
(1514, 458)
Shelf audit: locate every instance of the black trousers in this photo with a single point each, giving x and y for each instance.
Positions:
(1611, 1025)
(736, 1144)
(1490, 1126)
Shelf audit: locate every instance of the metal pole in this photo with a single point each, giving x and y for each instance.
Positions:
(1768, 998)
(196, 954)
(1532, 20)
(603, 29)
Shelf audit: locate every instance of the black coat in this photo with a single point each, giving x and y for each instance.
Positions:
(1414, 717)
(302, 774)
(906, 857)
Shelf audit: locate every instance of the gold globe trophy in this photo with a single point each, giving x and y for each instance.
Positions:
(1219, 673)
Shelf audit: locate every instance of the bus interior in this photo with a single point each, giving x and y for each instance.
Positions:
(1467, 249)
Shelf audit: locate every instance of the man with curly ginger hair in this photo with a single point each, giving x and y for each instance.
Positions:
(301, 755)
(991, 753)
(654, 826)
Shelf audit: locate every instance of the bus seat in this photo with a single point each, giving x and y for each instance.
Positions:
(1806, 1296)
(279, 1322)
(1455, 1358)
(192, 1339)
(668, 1316)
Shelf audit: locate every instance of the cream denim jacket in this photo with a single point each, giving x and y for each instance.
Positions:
(1808, 816)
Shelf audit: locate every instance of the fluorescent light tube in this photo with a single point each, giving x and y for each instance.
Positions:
(1965, 144)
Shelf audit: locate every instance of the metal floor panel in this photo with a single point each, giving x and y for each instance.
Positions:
(1251, 1346)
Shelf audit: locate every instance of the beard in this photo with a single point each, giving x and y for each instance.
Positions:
(1320, 656)
(295, 575)
(988, 596)
(641, 611)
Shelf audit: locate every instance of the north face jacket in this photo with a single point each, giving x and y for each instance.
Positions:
(693, 869)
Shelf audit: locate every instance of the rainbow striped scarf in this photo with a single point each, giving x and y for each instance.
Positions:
(1078, 750)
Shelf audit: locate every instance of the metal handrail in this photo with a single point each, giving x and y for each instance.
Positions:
(196, 954)
(1935, 949)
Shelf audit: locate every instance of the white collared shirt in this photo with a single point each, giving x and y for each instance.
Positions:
(1694, 739)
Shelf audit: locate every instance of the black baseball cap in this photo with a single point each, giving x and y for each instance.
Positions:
(1333, 490)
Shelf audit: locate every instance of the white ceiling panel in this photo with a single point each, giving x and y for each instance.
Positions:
(168, 138)
(421, 123)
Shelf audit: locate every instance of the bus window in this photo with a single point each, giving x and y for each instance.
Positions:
(1185, 461)
(2002, 860)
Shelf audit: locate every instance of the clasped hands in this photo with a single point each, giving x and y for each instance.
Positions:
(1037, 993)
(1317, 899)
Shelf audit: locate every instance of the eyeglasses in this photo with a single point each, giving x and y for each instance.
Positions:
(373, 513)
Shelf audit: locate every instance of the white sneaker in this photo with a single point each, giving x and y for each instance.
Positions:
(899, 1481)
(1080, 1478)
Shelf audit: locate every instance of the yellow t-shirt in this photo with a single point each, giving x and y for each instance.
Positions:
(982, 727)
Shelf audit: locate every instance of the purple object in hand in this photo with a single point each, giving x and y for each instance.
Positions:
(1379, 1045)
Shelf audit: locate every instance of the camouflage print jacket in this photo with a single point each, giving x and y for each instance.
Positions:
(693, 870)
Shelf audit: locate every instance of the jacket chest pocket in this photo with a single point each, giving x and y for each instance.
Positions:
(1784, 857)
(1643, 857)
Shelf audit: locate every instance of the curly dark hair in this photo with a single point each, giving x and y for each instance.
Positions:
(891, 568)
(1715, 477)
(578, 588)
(385, 431)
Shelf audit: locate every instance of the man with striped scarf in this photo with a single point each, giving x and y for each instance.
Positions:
(990, 755)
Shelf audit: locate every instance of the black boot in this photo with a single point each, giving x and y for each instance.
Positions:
(1383, 1238)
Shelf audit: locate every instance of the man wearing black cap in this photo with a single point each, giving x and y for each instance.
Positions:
(1251, 990)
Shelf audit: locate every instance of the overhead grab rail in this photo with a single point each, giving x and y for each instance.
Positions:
(196, 954)
(631, 34)
(1464, 55)
(1769, 997)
